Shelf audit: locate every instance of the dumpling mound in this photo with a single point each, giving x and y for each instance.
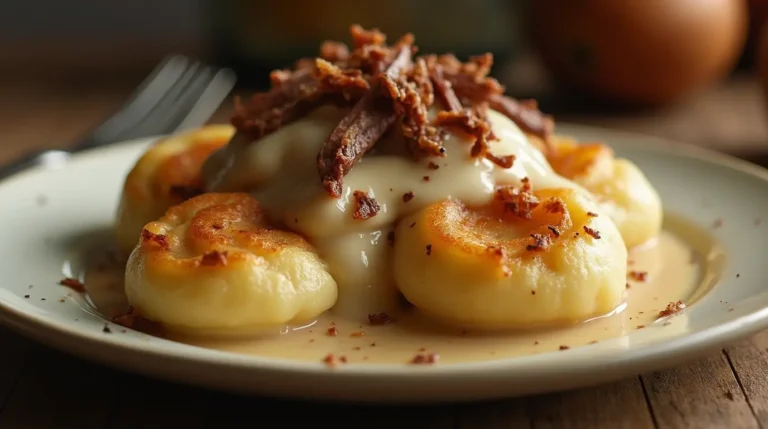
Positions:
(167, 174)
(621, 188)
(213, 265)
(531, 259)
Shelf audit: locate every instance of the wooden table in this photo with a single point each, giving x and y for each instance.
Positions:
(43, 388)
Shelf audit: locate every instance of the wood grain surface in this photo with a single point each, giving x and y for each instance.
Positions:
(43, 388)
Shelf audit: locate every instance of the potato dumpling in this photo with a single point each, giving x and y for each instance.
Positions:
(214, 265)
(166, 174)
(621, 188)
(490, 268)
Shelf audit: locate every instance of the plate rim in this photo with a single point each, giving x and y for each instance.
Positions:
(665, 350)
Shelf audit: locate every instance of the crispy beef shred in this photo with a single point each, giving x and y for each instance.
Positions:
(386, 88)
(519, 201)
(672, 308)
(425, 359)
(592, 232)
(379, 319)
(292, 96)
(131, 319)
(365, 206)
(540, 242)
(357, 132)
(472, 85)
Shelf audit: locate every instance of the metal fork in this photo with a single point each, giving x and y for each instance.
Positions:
(180, 93)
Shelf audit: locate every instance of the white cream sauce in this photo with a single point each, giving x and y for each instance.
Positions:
(280, 170)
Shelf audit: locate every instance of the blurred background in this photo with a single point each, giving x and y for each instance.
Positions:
(683, 69)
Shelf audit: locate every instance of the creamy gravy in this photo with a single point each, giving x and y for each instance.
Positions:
(682, 265)
(280, 170)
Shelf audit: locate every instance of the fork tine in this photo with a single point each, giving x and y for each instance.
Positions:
(191, 102)
(148, 94)
(209, 101)
(186, 103)
(179, 93)
(179, 105)
(154, 119)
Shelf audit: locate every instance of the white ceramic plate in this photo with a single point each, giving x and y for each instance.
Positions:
(49, 215)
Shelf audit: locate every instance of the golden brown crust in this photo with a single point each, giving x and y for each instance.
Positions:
(543, 226)
(571, 159)
(222, 229)
(177, 177)
(168, 173)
